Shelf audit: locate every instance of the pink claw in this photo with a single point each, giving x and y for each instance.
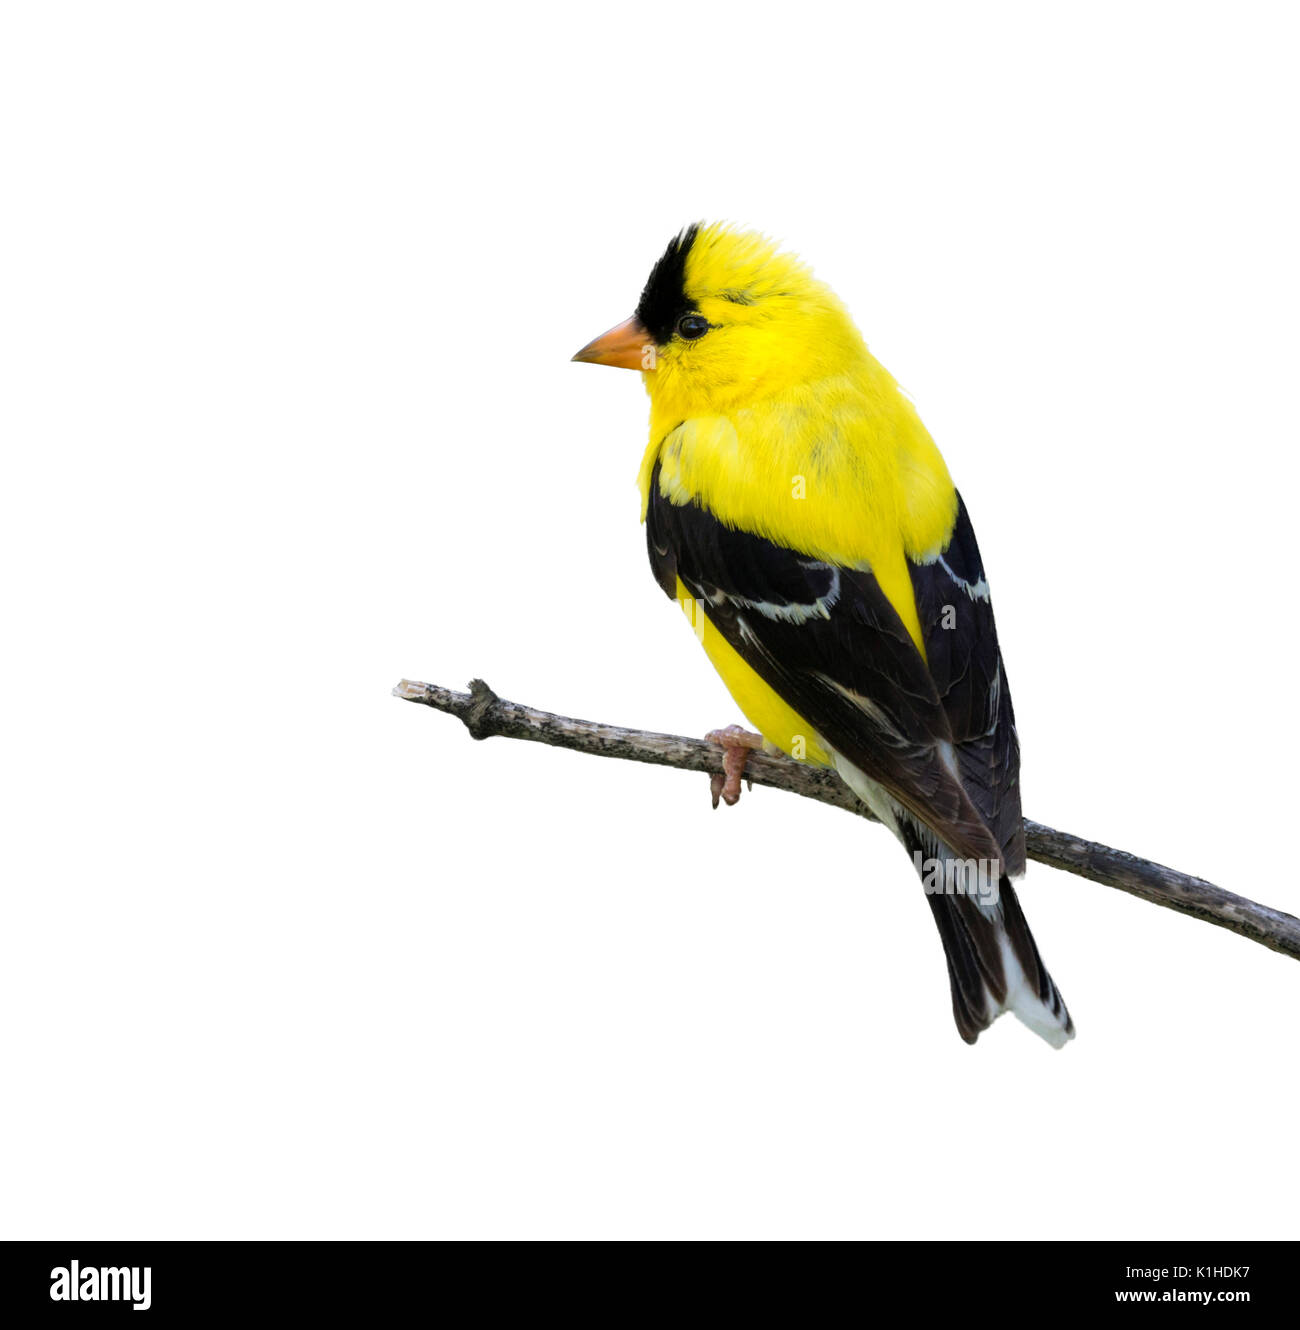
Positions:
(736, 744)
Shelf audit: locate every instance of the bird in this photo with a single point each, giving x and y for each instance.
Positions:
(800, 513)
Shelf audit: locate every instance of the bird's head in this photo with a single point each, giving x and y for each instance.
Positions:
(726, 318)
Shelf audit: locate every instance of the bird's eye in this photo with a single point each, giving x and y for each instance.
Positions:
(691, 326)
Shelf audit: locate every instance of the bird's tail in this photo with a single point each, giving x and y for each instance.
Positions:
(994, 965)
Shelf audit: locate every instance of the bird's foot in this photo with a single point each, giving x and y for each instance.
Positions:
(736, 744)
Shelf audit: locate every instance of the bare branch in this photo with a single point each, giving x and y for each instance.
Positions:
(485, 714)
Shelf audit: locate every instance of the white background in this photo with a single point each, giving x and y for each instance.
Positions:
(289, 294)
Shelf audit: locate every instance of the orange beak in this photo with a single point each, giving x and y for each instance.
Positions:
(628, 346)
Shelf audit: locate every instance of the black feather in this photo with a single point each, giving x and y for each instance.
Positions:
(961, 648)
(817, 655)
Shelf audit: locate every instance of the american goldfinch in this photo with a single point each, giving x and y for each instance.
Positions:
(798, 510)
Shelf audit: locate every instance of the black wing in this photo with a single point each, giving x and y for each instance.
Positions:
(828, 641)
(961, 645)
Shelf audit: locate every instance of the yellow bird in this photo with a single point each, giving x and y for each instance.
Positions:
(799, 511)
